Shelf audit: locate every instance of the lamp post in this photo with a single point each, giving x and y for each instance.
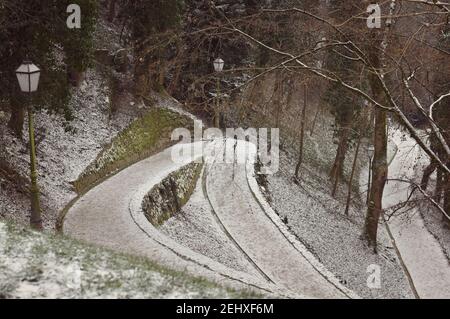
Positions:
(218, 67)
(370, 154)
(28, 76)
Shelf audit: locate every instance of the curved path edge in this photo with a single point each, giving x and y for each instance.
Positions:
(421, 255)
(137, 214)
(173, 106)
(265, 206)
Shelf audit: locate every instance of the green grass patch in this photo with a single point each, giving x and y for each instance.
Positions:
(144, 137)
(60, 267)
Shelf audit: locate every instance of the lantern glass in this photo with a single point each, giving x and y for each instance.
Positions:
(23, 82)
(28, 76)
(218, 65)
(34, 79)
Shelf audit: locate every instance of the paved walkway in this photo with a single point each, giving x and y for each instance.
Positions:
(103, 217)
(422, 254)
(110, 215)
(248, 224)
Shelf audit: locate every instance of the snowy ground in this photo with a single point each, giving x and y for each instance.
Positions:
(226, 206)
(39, 266)
(196, 227)
(441, 231)
(421, 252)
(275, 257)
(67, 148)
(65, 151)
(110, 215)
(318, 221)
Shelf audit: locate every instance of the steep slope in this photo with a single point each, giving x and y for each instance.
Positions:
(34, 265)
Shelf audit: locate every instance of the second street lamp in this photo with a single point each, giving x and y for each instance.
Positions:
(28, 76)
(218, 67)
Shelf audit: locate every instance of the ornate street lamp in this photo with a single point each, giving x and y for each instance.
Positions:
(28, 76)
(218, 67)
(370, 154)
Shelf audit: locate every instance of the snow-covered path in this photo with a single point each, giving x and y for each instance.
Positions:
(110, 215)
(275, 257)
(420, 251)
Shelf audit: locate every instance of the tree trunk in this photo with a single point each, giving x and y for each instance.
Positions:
(302, 134)
(380, 166)
(427, 174)
(161, 71)
(75, 77)
(350, 182)
(439, 185)
(112, 10)
(278, 95)
(338, 165)
(161, 77)
(446, 195)
(17, 118)
(335, 186)
(313, 126)
(379, 176)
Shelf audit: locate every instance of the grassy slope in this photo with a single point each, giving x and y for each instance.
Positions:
(34, 265)
(144, 137)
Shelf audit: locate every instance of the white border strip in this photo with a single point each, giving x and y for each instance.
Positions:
(329, 276)
(135, 210)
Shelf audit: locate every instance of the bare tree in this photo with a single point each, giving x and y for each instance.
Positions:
(302, 132)
(352, 175)
(378, 58)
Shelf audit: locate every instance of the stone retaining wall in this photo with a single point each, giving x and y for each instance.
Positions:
(171, 194)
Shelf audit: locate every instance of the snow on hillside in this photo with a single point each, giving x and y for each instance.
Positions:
(34, 265)
(421, 252)
(65, 148)
(318, 220)
(196, 228)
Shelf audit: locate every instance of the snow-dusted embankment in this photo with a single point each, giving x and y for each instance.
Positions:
(38, 265)
(110, 215)
(420, 251)
(277, 256)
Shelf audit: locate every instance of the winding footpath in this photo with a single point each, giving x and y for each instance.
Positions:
(422, 254)
(110, 215)
(232, 199)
